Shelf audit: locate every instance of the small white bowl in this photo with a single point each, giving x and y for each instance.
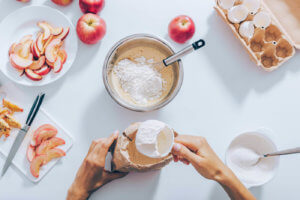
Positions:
(265, 169)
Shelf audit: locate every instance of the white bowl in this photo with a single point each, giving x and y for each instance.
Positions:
(24, 22)
(265, 169)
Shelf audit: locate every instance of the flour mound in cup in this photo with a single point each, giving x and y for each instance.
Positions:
(127, 158)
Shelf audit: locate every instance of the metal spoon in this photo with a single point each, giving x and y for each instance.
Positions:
(158, 66)
(177, 56)
(278, 153)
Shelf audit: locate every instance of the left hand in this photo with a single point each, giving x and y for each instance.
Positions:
(91, 174)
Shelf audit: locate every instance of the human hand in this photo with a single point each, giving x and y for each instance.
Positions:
(91, 174)
(196, 150)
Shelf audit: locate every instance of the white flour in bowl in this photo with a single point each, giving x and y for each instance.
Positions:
(139, 79)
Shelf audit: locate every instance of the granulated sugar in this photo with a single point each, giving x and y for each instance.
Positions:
(139, 79)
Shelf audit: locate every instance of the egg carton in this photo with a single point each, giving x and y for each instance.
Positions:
(259, 30)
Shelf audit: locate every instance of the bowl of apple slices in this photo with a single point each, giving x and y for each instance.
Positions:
(44, 52)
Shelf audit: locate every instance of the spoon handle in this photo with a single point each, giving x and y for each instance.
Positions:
(195, 46)
(284, 152)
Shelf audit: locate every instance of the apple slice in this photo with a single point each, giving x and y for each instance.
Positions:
(46, 29)
(35, 51)
(33, 76)
(52, 50)
(38, 64)
(36, 163)
(58, 65)
(57, 31)
(43, 71)
(45, 135)
(54, 153)
(12, 48)
(39, 42)
(64, 34)
(25, 49)
(47, 43)
(63, 55)
(45, 146)
(45, 127)
(50, 64)
(25, 38)
(20, 63)
(30, 153)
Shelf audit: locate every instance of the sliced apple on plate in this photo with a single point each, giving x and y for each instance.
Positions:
(52, 50)
(38, 64)
(58, 65)
(36, 164)
(46, 30)
(63, 55)
(30, 153)
(43, 71)
(49, 144)
(54, 153)
(57, 31)
(20, 63)
(40, 131)
(32, 75)
(64, 34)
(45, 134)
(40, 42)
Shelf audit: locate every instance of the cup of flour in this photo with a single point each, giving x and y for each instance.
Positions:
(242, 157)
(154, 139)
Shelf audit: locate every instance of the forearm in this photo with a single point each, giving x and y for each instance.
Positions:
(233, 186)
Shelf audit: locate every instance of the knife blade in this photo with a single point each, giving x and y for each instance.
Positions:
(17, 143)
(22, 133)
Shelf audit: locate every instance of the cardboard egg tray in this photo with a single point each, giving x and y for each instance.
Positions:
(271, 46)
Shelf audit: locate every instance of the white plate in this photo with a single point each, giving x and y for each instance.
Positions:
(20, 161)
(23, 22)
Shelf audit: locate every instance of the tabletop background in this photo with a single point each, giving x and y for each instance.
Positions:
(223, 94)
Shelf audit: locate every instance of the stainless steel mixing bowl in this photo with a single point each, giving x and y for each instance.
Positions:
(125, 44)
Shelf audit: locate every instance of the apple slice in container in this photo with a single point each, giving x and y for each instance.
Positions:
(43, 71)
(58, 65)
(40, 42)
(33, 76)
(46, 30)
(38, 64)
(64, 34)
(26, 47)
(20, 63)
(35, 51)
(57, 31)
(63, 55)
(52, 50)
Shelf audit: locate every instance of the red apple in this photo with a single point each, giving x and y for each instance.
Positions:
(181, 29)
(91, 6)
(90, 28)
(24, 1)
(62, 2)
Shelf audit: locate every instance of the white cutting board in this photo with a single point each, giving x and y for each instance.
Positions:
(16, 96)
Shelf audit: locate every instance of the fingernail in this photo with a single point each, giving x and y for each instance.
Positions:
(176, 147)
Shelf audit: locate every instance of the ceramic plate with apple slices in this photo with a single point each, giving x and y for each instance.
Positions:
(23, 22)
(20, 161)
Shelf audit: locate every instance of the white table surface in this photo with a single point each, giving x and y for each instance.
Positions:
(223, 94)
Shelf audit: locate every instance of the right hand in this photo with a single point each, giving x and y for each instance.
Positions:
(196, 150)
